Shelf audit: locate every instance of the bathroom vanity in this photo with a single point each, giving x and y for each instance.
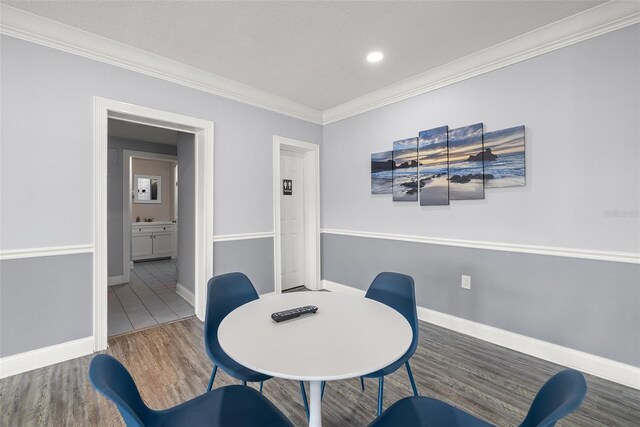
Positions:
(153, 240)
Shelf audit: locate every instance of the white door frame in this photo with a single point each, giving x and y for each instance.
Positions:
(127, 206)
(311, 210)
(104, 109)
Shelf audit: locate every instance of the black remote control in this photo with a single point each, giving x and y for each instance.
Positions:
(281, 316)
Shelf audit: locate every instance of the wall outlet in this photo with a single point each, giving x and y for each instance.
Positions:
(466, 282)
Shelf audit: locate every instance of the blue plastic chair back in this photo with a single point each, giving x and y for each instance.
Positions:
(112, 380)
(398, 292)
(225, 293)
(559, 396)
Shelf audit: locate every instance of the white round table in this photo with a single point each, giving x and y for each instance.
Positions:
(348, 337)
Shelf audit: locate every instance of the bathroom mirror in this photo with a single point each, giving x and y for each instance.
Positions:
(147, 189)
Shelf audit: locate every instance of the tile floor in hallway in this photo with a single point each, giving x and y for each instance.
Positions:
(148, 299)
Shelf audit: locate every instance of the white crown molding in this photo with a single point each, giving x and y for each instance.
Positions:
(590, 23)
(244, 236)
(45, 251)
(37, 29)
(34, 359)
(611, 370)
(626, 257)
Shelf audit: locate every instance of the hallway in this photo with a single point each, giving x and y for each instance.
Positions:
(149, 299)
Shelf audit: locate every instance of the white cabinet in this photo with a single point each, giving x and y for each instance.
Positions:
(141, 245)
(153, 240)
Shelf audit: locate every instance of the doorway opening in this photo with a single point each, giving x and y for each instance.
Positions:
(296, 207)
(146, 286)
(194, 135)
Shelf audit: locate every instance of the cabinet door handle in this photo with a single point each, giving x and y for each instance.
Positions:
(151, 236)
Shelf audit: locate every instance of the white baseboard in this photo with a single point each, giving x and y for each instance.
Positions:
(611, 370)
(186, 294)
(115, 280)
(34, 359)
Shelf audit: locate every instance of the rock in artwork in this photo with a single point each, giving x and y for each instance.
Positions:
(405, 170)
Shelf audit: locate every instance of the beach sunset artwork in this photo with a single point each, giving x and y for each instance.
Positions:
(504, 164)
(466, 163)
(433, 166)
(405, 170)
(382, 172)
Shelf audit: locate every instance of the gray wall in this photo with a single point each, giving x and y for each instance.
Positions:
(46, 137)
(253, 257)
(42, 301)
(580, 106)
(186, 211)
(115, 245)
(591, 306)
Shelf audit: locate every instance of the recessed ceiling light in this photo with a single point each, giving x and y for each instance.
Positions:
(375, 57)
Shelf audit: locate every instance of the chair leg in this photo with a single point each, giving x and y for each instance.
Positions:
(362, 383)
(304, 399)
(322, 390)
(213, 376)
(413, 383)
(244, 383)
(261, 384)
(380, 394)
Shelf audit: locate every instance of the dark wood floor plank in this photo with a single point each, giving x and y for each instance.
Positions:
(170, 366)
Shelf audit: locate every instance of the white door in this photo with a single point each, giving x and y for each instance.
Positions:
(292, 219)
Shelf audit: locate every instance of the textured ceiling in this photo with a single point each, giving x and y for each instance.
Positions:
(312, 52)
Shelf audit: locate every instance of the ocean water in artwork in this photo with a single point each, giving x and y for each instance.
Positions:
(466, 166)
(505, 166)
(382, 172)
(405, 170)
(433, 169)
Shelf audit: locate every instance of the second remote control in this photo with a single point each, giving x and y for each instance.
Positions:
(281, 316)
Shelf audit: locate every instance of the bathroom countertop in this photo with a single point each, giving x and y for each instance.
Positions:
(134, 224)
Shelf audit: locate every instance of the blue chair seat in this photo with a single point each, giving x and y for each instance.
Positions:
(426, 412)
(559, 396)
(232, 406)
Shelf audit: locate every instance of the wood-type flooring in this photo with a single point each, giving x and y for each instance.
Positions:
(169, 365)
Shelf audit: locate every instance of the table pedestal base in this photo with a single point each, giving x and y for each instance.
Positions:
(315, 404)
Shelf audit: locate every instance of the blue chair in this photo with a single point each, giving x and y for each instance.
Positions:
(398, 292)
(227, 292)
(234, 405)
(558, 397)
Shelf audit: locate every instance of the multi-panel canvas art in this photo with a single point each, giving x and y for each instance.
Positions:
(433, 166)
(445, 164)
(505, 167)
(405, 170)
(466, 163)
(382, 172)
